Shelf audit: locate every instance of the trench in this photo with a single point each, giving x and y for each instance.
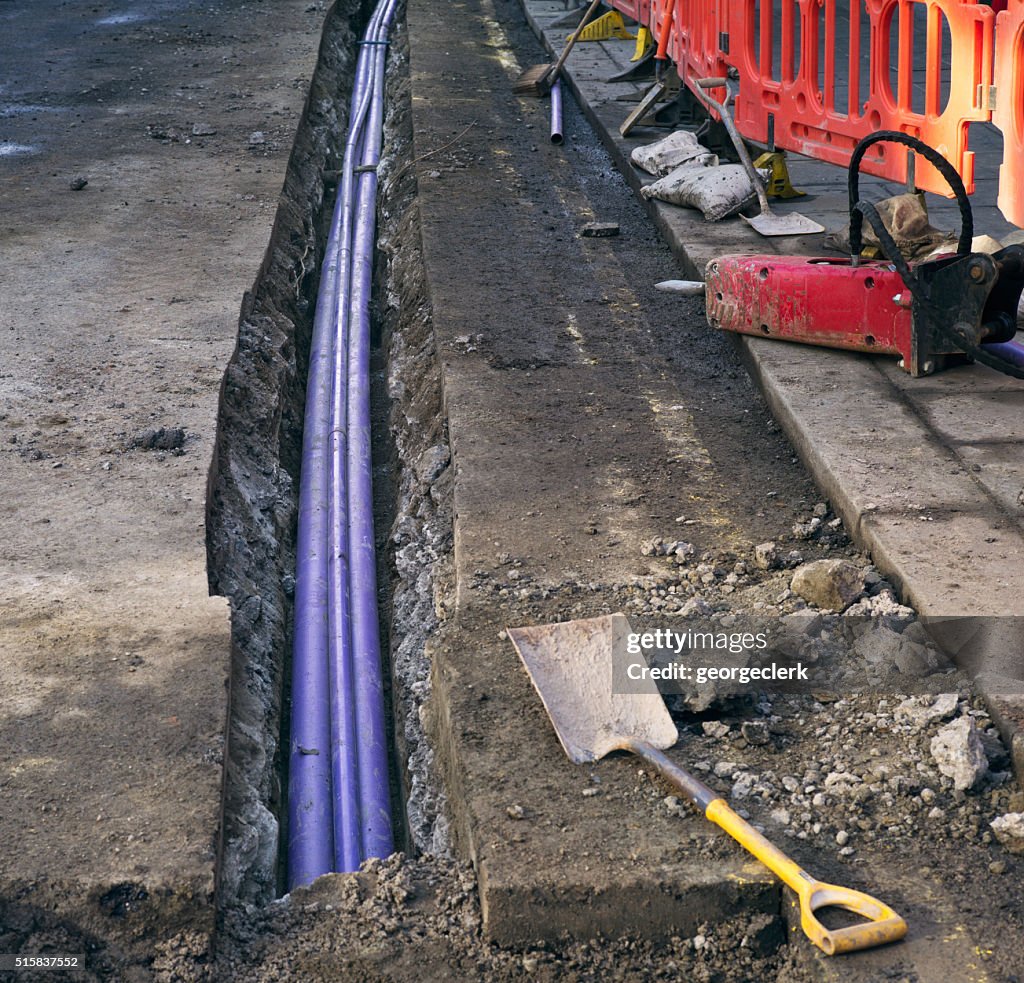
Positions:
(254, 478)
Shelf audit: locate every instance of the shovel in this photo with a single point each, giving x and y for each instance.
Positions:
(768, 223)
(570, 665)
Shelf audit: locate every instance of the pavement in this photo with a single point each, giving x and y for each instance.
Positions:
(927, 473)
(120, 313)
(531, 427)
(582, 436)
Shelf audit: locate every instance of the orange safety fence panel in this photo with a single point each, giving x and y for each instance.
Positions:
(631, 8)
(819, 75)
(1008, 112)
(826, 73)
(697, 29)
(638, 10)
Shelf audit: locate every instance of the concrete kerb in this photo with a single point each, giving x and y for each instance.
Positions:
(860, 424)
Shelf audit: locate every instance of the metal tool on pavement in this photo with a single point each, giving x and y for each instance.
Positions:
(931, 314)
(687, 288)
(537, 80)
(570, 665)
(768, 223)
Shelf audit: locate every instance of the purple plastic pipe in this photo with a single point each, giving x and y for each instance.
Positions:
(374, 784)
(556, 113)
(310, 837)
(344, 756)
(325, 789)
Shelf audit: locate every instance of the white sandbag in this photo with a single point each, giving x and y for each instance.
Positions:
(717, 191)
(678, 148)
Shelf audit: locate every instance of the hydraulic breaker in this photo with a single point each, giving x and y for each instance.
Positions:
(868, 307)
(930, 314)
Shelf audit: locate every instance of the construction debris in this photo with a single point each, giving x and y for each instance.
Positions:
(958, 751)
(1009, 830)
(830, 584)
(599, 230)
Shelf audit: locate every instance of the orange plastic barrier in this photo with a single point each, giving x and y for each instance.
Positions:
(694, 42)
(1008, 112)
(631, 8)
(805, 80)
(811, 79)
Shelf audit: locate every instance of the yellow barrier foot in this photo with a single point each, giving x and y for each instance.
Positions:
(779, 185)
(644, 43)
(606, 27)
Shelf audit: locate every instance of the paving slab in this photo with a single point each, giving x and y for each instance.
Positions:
(120, 312)
(926, 473)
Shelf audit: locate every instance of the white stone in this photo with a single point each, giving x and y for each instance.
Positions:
(958, 751)
(1009, 830)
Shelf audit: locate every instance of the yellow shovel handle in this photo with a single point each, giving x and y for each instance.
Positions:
(883, 924)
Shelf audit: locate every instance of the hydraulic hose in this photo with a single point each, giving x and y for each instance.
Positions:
(989, 355)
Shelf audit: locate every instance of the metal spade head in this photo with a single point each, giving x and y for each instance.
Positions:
(570, 664)
(771, 223)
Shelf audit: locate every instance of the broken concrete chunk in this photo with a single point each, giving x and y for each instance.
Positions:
(159, 439)
(1009, 830)
(695, 605)
(766, 555)
(683, 552)
(959, 754)
(916, 660)
(806, 530)
(882, 605)
(686, 288)
(756, 732)
(921, 711)
(715, 728)
(432, 462)
(830, 584)
(599, 230)
(878, 646)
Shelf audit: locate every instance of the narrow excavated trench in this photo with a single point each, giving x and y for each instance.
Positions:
(255, 477)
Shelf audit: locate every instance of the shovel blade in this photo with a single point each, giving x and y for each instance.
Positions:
(570, 665)
(791, 224)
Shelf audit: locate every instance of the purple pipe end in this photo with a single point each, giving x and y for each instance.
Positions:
(556, 113)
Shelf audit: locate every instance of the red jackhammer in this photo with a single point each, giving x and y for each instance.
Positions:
(934, 314)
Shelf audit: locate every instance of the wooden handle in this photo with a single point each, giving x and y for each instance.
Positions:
(572, 40)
